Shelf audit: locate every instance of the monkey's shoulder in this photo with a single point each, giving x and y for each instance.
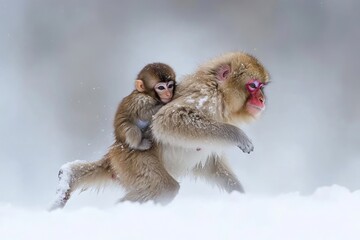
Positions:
(193, 107)
(136, 102)
(138, 98)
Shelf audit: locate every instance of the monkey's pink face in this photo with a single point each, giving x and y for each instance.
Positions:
(256, 102)
(165, 91)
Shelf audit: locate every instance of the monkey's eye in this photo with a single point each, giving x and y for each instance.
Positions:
(161, 86)
(170, 84)
(254, 85)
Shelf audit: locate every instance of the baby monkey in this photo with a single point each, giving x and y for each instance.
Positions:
(154, 87)
(140, 173)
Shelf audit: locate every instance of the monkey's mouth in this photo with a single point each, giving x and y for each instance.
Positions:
(165, 100)
(254, 110)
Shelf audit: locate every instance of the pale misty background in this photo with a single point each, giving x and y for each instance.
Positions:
(65, 65)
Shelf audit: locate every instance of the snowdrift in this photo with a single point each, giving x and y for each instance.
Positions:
(329, 213)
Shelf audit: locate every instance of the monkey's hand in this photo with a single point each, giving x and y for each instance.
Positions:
(145, 144)
(245, 144)
(242, 141)
(235, 135)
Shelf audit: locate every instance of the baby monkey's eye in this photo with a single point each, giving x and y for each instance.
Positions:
(170, 84)
(160, 86)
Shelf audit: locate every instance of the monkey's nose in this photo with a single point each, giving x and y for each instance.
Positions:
(262, 100)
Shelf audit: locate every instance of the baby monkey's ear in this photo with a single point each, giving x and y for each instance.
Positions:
(139, 85)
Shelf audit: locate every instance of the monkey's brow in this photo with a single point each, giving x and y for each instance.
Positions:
(164, 78)
(239, 73)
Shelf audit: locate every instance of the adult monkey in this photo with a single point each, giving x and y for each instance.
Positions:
(203, 115)
(200, 118)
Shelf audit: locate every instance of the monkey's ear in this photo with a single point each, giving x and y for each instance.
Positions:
(139, 85)
(223, 72)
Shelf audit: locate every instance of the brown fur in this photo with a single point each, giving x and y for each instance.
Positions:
(140, 173)
(136, 106)
(153, 73)
(140, 106)
(201, 117)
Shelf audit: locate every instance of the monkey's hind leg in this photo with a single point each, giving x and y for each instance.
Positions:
(77, 174)
(151, 182)
(215, 171)
(162, 193)
(63, 190)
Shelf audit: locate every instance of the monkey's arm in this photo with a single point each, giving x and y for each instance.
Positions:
(129, 133)
(132, 118)
(138, 134)
(148, 111)
(188, 127)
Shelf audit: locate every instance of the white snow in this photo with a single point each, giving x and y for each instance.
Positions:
(201, 102)
(64, 181)
(329, 213)
(189, 100)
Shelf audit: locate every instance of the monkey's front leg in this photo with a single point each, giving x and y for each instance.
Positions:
(188, 127)
(231, 134)
(215, 170)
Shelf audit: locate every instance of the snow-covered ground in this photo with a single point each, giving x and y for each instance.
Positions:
(329, 213)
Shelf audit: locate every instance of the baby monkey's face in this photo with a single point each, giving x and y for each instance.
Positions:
(165, 91)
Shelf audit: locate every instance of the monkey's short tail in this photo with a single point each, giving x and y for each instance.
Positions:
(80, 174)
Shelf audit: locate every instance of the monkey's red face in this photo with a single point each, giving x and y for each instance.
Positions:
(256, 102)
(165, 91)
